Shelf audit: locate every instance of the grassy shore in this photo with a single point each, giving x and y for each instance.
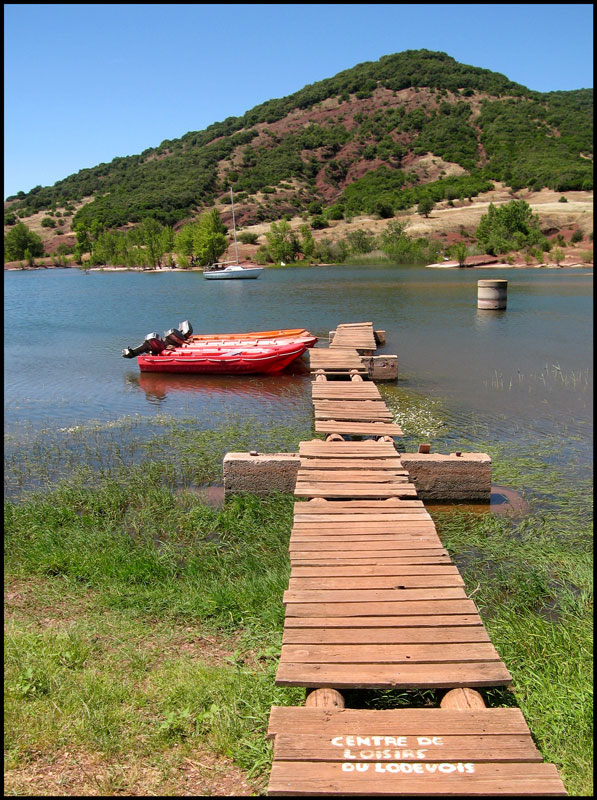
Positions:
(143, 625)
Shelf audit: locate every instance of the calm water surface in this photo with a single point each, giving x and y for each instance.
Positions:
(522, 374)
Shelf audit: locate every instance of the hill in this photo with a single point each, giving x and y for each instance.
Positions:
(372, 140)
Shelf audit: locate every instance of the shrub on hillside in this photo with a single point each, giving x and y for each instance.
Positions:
(246, 237)
(511, 226)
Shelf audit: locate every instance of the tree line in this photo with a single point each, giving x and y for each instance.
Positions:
(509, 227)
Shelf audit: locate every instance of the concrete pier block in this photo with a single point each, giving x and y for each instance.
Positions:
(450, 477)
(442, 478)
(261, 473)
(381, 368)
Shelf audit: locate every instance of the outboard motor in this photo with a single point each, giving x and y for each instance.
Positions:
(155, 343)
(185, 328)
(174, 337)
(131, 352)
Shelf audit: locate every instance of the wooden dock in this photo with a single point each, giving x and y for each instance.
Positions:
(375, 602)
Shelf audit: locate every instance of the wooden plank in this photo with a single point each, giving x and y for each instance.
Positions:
(376, 463)
(401, 517)
(395, 721)
(374, 636)
(375, 582)
(340, 538)
(358, 429)
(373, 548)
(346, 449)
(349, 390)
(416, 556)
(354, 415)
(354, 506)
(352, 475)
(390, 676)
(313, 778)
(422, 534)
(473, 747)
(344, 530)
(432, 621)
(350, 405)
(380, 609)
(442, 653)
(373, 595)
(354, 490)
(376, 570)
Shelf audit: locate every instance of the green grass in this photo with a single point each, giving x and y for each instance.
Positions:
(145, 626)
(131, 572)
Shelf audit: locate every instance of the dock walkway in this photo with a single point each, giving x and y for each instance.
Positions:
(375, 602)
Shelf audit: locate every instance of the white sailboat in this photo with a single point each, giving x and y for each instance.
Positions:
(230, 270)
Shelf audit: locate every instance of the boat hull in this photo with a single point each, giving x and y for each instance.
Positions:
(198, 344)
(233, 273)
(253, 360)
(282, 333)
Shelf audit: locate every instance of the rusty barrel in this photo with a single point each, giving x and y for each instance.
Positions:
(492, 294)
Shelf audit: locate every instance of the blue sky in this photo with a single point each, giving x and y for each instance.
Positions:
(87, 83)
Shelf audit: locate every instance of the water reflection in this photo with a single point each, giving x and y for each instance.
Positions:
(158, 386)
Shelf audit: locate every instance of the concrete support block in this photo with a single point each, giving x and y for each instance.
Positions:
(441, 478)
(450, 477)
(380, 338)
(381, 368)
(261, 473)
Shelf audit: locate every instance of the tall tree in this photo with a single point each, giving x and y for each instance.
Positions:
(18, 240)
(209, 238)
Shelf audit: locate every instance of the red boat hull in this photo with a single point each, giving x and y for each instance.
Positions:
(210, 360)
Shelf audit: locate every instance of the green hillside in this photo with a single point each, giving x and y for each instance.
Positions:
(349, 142)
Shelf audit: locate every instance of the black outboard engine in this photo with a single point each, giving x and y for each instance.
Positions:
(155, 343)
(185, 328)
(131, 352)
(174, 337)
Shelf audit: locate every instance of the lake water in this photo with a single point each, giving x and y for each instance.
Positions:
(518, 375)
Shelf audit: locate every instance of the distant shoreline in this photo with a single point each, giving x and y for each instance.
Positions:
(445, 265)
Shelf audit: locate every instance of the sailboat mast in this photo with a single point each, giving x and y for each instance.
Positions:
(234, 225)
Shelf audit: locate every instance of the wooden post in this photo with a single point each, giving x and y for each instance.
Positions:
(462, 700)
(354, 376)
(334, 437)
(324, 698)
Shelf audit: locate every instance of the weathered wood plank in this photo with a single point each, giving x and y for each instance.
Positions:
(473, 747)
(397, 721)
(415, 556)
(313, 778)
(389, 506)
(381, 608)
(358, 428)
(433, 621)
(373, 548)
(364, 537)
(352, 475)
(373, 595)
(442, 653)
(375, 582)
(388, 676)
(376, 570)
(388, 635)
(308, 489)
(375, 463)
